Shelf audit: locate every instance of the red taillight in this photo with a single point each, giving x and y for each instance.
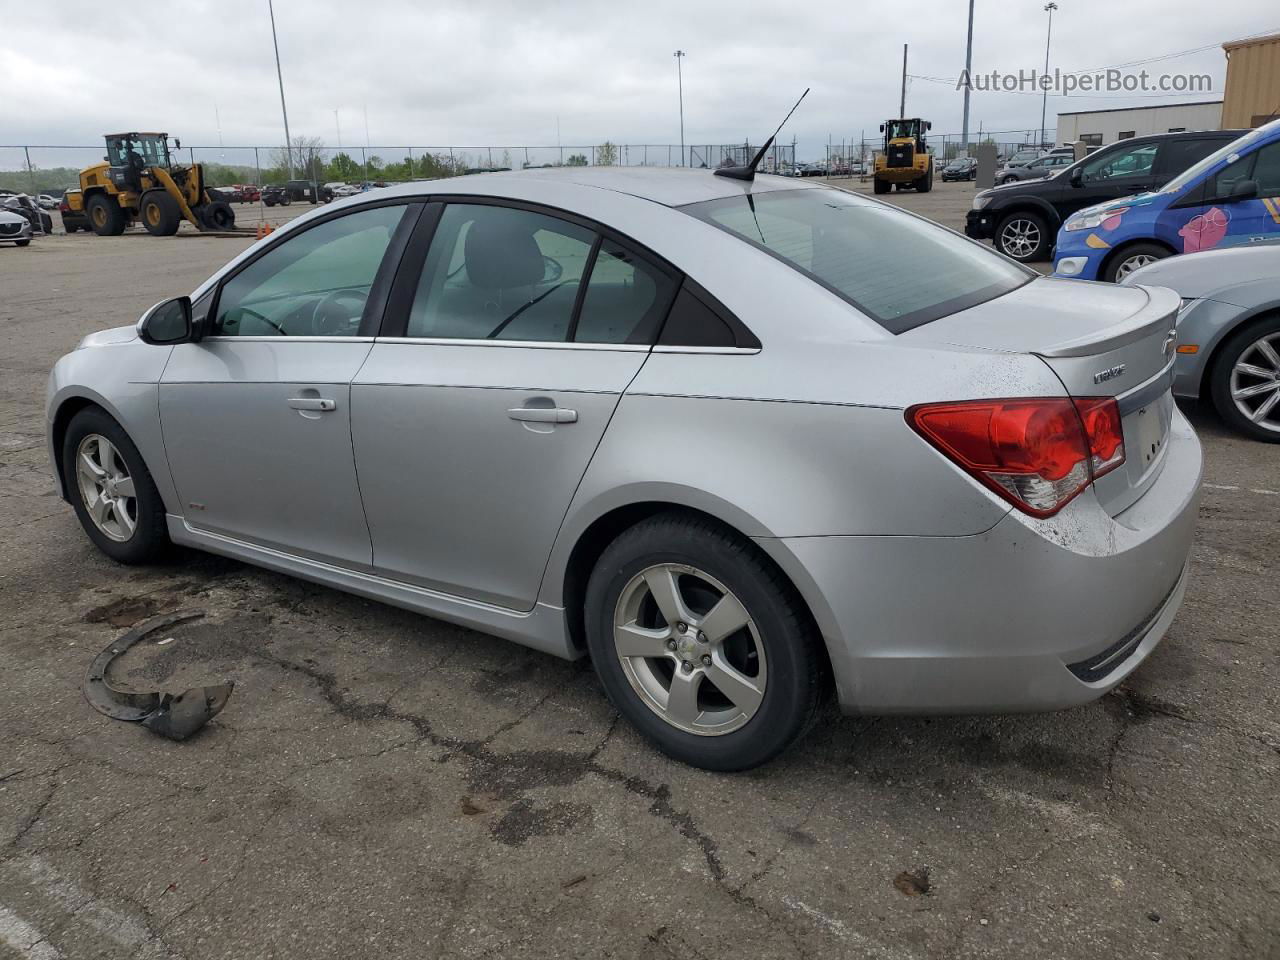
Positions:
(1036, 452)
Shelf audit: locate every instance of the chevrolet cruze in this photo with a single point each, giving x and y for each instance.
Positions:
(740, 442)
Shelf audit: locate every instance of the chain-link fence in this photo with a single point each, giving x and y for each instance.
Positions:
(36, 169)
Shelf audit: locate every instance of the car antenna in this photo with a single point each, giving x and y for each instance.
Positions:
(748, 172)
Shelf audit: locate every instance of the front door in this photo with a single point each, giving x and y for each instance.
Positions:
(257, 415)
(474, 423)
(1111, 175)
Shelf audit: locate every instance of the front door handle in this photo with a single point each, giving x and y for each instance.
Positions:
(543, 414)
(323, 404)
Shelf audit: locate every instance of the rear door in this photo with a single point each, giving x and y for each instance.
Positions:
(511, 334)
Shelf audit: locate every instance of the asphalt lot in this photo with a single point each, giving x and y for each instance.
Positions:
(386, 785)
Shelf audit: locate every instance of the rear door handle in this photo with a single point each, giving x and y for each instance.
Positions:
(322, 404)
(543, 414)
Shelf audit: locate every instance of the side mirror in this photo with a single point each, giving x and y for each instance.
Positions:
(881, 129)
(167, 323)
(1077, 177)
(1243, 190)
(928, 125)
(177, 144)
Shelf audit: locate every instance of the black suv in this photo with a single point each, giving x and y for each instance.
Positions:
(295, 190)
(1023, 218)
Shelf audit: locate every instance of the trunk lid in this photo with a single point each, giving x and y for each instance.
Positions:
(1101, 341)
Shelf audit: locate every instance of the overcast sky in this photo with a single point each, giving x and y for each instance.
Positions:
(500, 72)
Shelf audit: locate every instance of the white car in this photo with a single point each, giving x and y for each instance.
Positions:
(14, 228)
(346, 190)
(47, 201)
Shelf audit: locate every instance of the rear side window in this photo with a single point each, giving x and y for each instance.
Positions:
(626, 298)
(692, 323)
(498, 273)
(1177, 155)
(900, 270)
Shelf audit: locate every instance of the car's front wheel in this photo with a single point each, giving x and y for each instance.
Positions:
(111, 489)
(1023, 236)
(1131, 259)
(702, 644)
(1245, 381)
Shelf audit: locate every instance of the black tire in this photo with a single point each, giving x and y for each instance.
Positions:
(925, 183)
(218, 215)
(1115, 268)
(106, 216)
(1004, 180)
(22, 243)
(269, 203)
(797, 679)
(1225, 359)
(1024, 222)
(150, 539)
(286, 200)
(880, 186)
(159, 213)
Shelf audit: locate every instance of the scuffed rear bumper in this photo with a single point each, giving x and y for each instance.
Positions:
(996, 622)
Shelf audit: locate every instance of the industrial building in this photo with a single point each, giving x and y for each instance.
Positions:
(1097, 127)
(1251, 97)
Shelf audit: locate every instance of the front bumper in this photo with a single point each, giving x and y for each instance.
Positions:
(980, 224)
(24, 233)
(996, 622)
(1078, 261)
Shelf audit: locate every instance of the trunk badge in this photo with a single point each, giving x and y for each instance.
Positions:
(1102, 376)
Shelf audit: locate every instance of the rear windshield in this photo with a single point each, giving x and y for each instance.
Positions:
(900, 270)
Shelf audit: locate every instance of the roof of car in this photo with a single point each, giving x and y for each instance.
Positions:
(672, 187)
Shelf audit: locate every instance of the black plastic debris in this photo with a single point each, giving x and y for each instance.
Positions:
(173, 715)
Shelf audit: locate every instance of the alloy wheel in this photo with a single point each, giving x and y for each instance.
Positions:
(1255, 382)
(1133, 263)
(106, 489)
(1020, 238)
(690, 649)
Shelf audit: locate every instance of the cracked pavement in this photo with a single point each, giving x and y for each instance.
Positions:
(385, 784)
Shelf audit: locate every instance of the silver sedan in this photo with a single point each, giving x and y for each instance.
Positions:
(742, 443)
(1228, 332)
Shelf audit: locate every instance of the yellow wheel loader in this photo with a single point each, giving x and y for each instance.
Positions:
(905, 160)
(137, 180)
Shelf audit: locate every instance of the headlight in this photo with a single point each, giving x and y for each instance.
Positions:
(980, 201)
(1084, 220)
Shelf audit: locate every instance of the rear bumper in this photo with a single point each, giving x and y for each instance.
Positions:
(1030, 615)
(980, 224)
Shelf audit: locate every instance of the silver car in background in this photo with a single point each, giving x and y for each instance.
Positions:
(14, 228)
(1228, 332)
(739, 442)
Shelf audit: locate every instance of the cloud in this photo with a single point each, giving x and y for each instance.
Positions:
(506, 73)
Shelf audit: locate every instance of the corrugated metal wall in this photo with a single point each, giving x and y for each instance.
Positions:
(1252, 93)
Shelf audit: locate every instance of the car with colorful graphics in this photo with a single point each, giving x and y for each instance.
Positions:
(1230, 198)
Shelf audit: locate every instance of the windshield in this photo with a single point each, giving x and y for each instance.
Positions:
(895, 129)
(898, 269)
(138, 151)
(1194, 171)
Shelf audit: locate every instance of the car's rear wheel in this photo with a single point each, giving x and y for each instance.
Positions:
(702, 644)
(111, 490)
(1132, 258)
(1023, 236)
(1245, 381)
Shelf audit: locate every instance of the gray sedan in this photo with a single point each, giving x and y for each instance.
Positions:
(1228, 332)
(742, 443)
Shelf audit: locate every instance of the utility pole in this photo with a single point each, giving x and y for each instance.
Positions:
(1044, 102)
(968, 83)
(288, 144)
(902, 104)
(680, 55)
(338, 124)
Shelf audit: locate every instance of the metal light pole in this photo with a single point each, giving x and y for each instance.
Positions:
(1044, 102)
(968, 65)
(680, 55)
(288, 143)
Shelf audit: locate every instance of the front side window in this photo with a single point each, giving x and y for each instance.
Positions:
(1262, 166)
(1133, 162)
(497, 273)
(900, 270)
(314, 283)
